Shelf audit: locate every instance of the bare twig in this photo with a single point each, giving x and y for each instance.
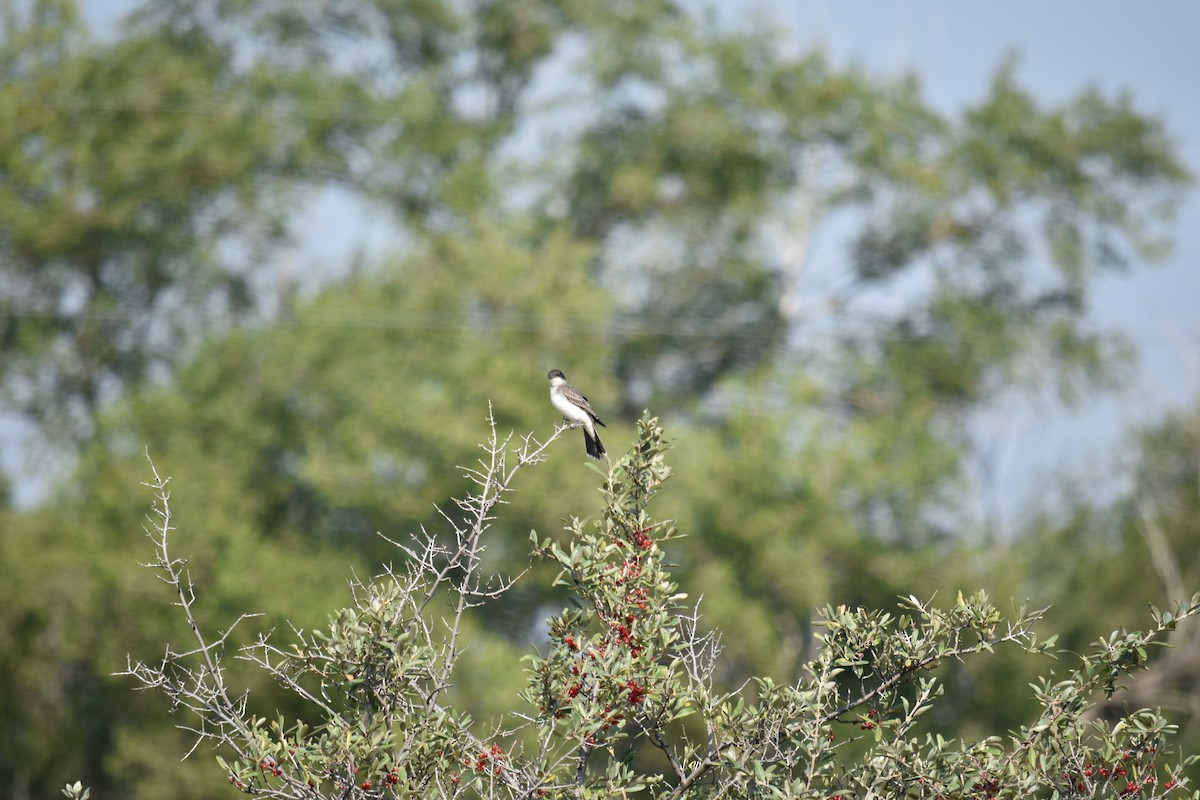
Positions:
(202, 690)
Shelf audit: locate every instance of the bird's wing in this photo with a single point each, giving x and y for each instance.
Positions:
(578, 399)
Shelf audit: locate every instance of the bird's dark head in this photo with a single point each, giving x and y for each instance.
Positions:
(555, 373)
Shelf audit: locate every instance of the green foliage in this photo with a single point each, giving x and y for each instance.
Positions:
(1136, 542)
(626, 674)
(133, 174)
(366, 417)
(614, 669)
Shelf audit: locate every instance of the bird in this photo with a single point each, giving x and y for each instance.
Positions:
(576, 410)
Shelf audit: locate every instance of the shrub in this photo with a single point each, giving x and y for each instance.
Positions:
(622, 701)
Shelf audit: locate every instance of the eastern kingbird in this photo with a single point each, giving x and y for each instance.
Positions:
(576, 410)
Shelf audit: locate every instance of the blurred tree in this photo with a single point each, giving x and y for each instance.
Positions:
(974, 245)
(441, 87)
(148, 182)
(705, 166)
(141, 198)
(297, 445)
(1135, 547)
(351, 416)
(708, 187)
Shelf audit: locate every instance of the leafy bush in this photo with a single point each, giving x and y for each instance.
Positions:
(622, 700)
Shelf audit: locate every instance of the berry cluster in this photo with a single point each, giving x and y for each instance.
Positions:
(492, 760)
(1134, 772)
(641, 537)
(1123, 775)
(620, 594)
(582, 676)
(987, 787)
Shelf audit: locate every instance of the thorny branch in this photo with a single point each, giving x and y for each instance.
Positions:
(436, 566)
(202, 689)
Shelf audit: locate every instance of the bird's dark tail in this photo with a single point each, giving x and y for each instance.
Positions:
(595, 448)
